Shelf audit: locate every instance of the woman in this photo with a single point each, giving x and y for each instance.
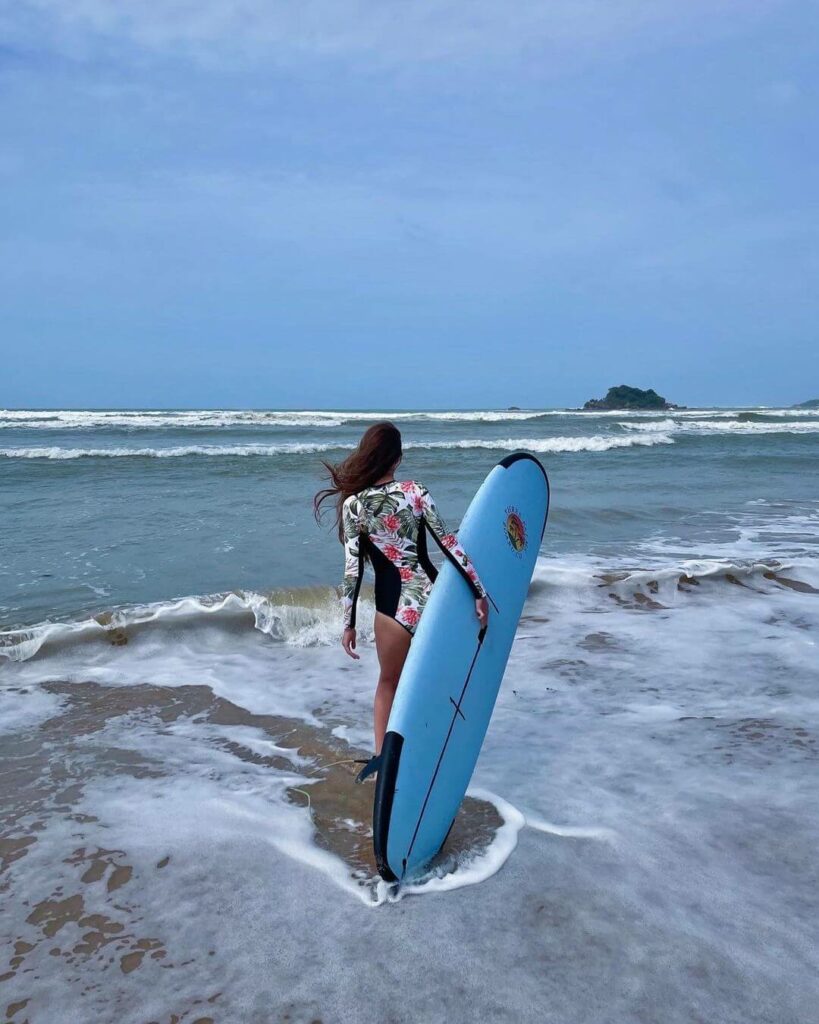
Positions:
(386, 521)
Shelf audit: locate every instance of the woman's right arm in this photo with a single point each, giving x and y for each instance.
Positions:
(448, 543)
(353, 566)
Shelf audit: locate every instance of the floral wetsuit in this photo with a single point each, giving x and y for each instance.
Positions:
(388, 524)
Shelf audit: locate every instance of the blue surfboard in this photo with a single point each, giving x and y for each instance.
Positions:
(454, 670)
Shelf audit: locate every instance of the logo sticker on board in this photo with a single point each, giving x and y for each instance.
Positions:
(515, 530)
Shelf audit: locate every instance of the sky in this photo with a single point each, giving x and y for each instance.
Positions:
(424, 204)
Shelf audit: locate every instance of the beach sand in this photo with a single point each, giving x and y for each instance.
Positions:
(84, 924)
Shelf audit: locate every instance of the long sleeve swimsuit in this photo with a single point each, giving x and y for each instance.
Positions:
(388, 524)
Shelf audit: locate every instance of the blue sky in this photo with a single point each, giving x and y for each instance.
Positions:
(367, 203)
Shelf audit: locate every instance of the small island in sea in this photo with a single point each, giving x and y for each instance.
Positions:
(812, 403)
(625, 397)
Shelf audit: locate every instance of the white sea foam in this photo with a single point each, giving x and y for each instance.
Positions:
(22, 707)
(598, 443)
(311, 617)
(305, 618)
(717, 580)
(238, 799)
(470, 868)
(242, 802)
(62, 419)
(176, 452)
(79, 419)
(474, 867)
(670, 426)
(555, 445)
(258, 742)
(607, 835)
(134, 419)
(654, 760)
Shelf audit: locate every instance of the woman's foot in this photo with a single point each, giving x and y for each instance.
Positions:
(370, 768)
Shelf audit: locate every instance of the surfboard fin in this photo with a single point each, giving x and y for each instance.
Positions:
(370, 768)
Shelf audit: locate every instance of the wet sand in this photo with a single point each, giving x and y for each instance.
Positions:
(92, 930)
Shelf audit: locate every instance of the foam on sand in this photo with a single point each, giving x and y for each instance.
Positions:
(188, 838)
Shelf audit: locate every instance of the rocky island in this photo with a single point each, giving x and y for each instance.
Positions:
(625, 397)
(812, 403)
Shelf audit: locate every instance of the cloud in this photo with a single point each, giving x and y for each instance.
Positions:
(377, 33)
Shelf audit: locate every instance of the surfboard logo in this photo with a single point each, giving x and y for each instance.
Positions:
(515, 530)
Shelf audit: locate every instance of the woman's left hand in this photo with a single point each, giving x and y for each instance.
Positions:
(348, 643)
(482, 611)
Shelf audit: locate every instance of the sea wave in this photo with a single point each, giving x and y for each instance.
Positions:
(68, 419)
(204, 419)
(744, 426)
(597, 443)
(302, 617)
(687, 576)
(175, 452)
(633, 433)
(311, 616)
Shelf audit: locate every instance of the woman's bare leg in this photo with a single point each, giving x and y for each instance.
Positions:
(392, 642)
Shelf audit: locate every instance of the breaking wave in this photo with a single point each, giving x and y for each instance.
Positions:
(749, 424)
(302, 617)
(597, 443)
(62, 419)
(311, 617)
(135, 419)
(175, 452)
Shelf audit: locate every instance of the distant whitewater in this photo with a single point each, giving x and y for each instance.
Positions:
(224, 434)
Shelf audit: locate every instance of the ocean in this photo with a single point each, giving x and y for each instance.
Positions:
(181, 837)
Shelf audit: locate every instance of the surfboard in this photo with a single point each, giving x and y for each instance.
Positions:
(453, 671)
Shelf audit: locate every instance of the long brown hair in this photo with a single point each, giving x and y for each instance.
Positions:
(378, 451)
